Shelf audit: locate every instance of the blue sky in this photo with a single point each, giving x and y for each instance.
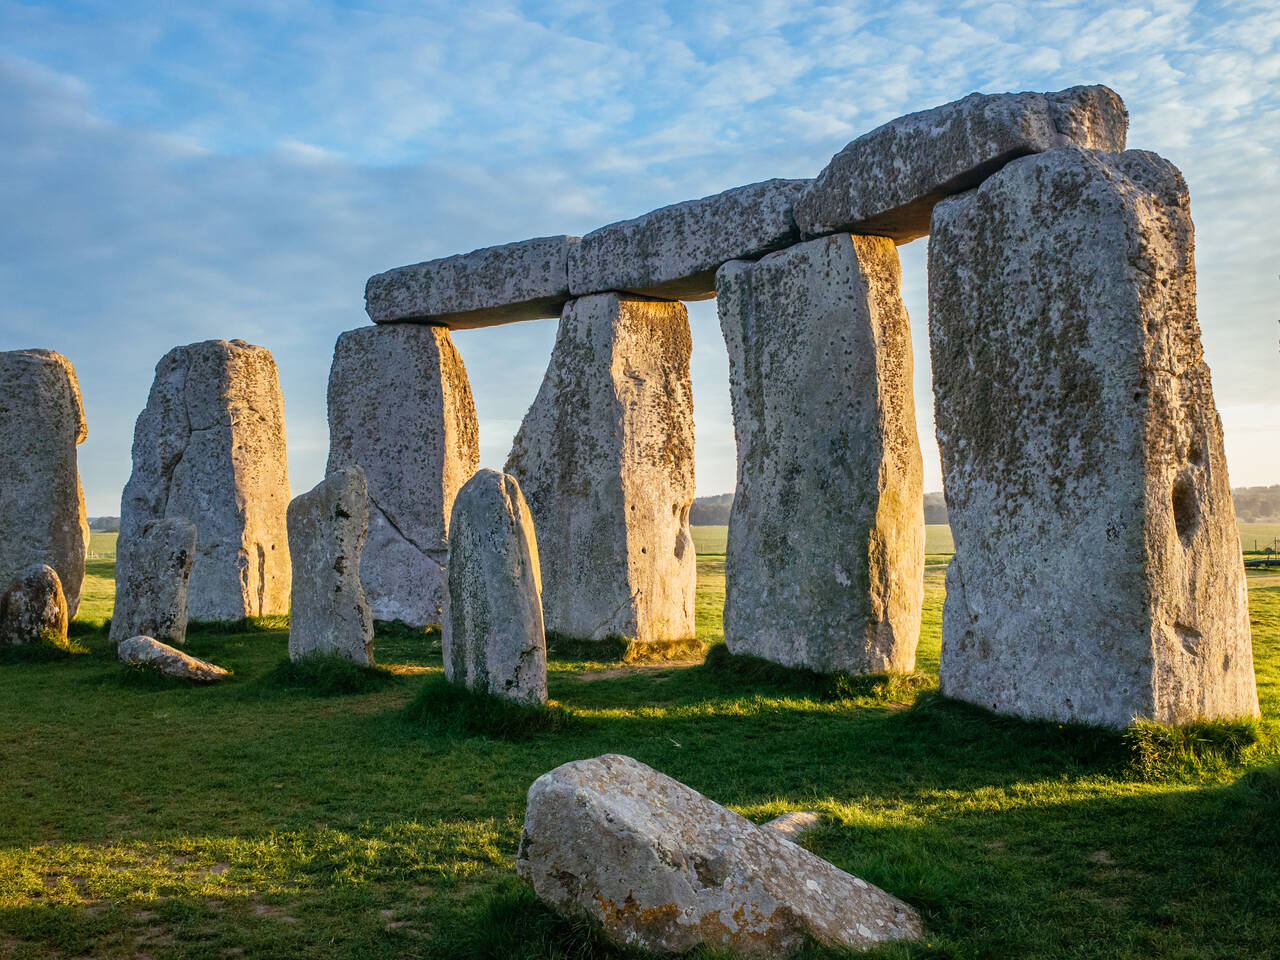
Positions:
(171, 174)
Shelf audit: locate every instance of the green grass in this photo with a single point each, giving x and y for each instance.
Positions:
(1256, 537)
(257, 818)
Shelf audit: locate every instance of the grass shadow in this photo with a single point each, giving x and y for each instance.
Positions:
(322, 676)
(44, 649)
(729, 669)
(448, 708)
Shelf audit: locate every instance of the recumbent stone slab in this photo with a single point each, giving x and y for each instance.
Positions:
(34, 608)
(151, 595)
(148, 651)
(42, 516)
(400, 407)
(493, 634)
(887, 181)
(605, 459)
(662, 867)
(1097, 573)
(824, 566)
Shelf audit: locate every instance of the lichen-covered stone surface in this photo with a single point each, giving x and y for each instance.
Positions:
(328, 613)
(515, 281)
(148, 651)
(400, 407)
(151, 590)
(662, 867)
(34, 608)
(42, 516)
(824, 566)
(605, 459)
(210, 446)
(1097, 574)
(887, 181)
(493, 635)
(674, 252)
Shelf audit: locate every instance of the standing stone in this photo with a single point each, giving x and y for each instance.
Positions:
(210, 447)
(493, 635)
(605, 458)
(1097, 573)
(34, 608)
(151, 593)
(400, 407)
(41, 504)
(824, 566)
(329, 615)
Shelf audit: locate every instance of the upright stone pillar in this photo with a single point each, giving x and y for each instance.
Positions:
(210, 446)
(1097, 573)
(825, 562)
(605, 460)
(41, 504)
(400, 408)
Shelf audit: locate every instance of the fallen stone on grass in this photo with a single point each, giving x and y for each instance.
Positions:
(151, 592)
(147, 651)
(664, 868)
(793, 823)
(34, 608)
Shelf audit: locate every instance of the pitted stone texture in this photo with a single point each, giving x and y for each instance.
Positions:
(824, 566)
(34, 607)
(527, 280)
(41, 504)
(148, 651)
(151, 595)
(674, 251)
(664, 868)
(1097, 573)
(605, 459)
(400, 407)
(493, 635)
(887, 181)
(210, 446)
(328, 612)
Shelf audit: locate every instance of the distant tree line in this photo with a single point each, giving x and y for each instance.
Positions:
(104, 524)
(1257, 504)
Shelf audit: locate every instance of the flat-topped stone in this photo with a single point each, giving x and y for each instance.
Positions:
(674, 252)
(887, 181)
(527, 280)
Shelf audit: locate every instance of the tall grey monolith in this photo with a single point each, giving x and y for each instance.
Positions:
(825, 560)
(605, 458)
(1097, 573)
(151, 590)
(400, 407)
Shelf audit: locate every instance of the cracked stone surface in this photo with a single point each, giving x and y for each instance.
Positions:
(664, 868)
(1097, 573)
(210, 446)
(400, 407)
(151, 591)
(148, 651)
(34, 607)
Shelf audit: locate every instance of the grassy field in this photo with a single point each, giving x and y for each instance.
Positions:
(261, 819)
(937, 539)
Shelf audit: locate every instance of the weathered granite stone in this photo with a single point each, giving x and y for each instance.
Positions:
(328, 612)
(41, 504)
(674, 252)
(493, 636)
(210, 447)
(34, 608)
(151, 594)
(605, 460)
(515, 281)
(1097, 573)
(887, 181)
(794, 823)
(147, 651)
(664, 868)
(825, 560)
(400, 407)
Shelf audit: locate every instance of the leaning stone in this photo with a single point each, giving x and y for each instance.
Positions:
(41, 504)
(400, 408)
(493, 635)
(887, 181)
(34, 608)
(605, 459)
(674, 252)
(147, 651)
(328, 614)
(527, 280)
(1097, 572)
(210, 446)
(663, 868)
(151, 594)
(794, 823)
(824, 566)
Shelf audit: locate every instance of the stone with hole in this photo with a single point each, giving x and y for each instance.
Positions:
(151, 595)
